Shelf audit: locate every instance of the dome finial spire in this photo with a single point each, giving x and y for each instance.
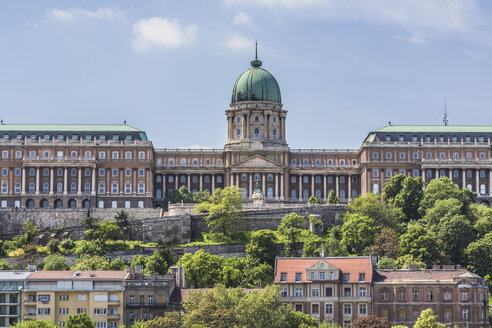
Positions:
(256, 63)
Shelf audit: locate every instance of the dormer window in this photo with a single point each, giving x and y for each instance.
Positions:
(332, 275)
(257, 133)
(283, 276)
(468, 139)
(428, 139)
(454, 139)
(414, 138)
(387, 138)
(346, 277)
(322, 276)
(257, 118)
(401, 138)
(441, 138)
(362, 277)
(298, 276)
(312, 276)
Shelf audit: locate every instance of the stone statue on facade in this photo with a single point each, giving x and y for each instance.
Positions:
(258, 197)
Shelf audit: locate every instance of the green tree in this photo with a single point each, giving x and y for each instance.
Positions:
(427, 319)
(310, 247)
(421, 244)
(386, 263)
(92, 262)
(55, 262)
(483, 219)
(479, 256)
(315, 200)
(263, 246)
(409, 198)
(156, 264)
(35, 324)
(370, 321)
(383, 214)
(407, 260)
(393, 187)
(256, 274)
(357, 232)
(122, 220)
(290, 228)
(118, 265)
(385, 244)
(79, 321)
(297, 319)
(201, 269)
(169, 320)
(225, 210)
(332, 198)
(4, 265)
(443, 188)
(30, 231)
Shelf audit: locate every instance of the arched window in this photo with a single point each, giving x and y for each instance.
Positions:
(456, 173)
(32, 172)
(194, 179)
(170, 178)
(17, 189)
(317, 179)
(318, 193)
(30, 203)
(43, 203)
(482, 173)
(442, 173)
(158, 194)
(354, 194)
(238, 134)
(245, 193)
(86, 203)
(388, 173)
(293, 194)
(5, 188)
(141, 188)
(128, 188)
(46, 172)
(182, 179)
(269, 192)
(58, 203)
(375, 189)
(72, 203)
(87, 172)
(128, 172)
(46, 187)
(59, 172)
(115, 172)
(469, 173)
(330, 179)
(32, 187)
(415, 173)
(73, 187)
(87, 187)
(293, 179)
(469, 186)
(305, 194)
(269, 177)
(141, 173)
(482, 189)
(342, 179)
(101, 172)
(74, 172)
(257, 133)
(342, 193)
(244, 177)
(274, 133)
(101, 188)
(305, 179)
(219, 179)
(158, 178)
(5, 172)
(206, 179)
(428, 173)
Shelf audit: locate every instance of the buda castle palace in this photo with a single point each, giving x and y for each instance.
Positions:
(116, 166)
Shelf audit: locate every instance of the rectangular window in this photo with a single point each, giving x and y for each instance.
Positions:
(346, 277)
(298, 291)
(81, 310)
(332, 275)
(82, 297)
(63, 297)
(63, 310)
(430, 295)
(447, 295)
(347, 309)
(362, 291)
(447, 314)
(283, 276)
(362, 309)
(415, 295)
(402, 295)
(312, 276)
(362, 277)
(464, 314)
(315, 309)
(329, 292)
(322, 276)
(347, 292)
(100, 311)
(315, 292)
(464, 296)
(283, 292)
(141, 155)
(298, 276)
(43, 311)
(102, 155)
(329, 308)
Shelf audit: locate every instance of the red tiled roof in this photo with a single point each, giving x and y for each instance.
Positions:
(84, 275)
(352, 265)
(419, 275)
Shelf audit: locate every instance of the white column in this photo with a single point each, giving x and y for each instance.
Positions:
(276, 186)
(263, 190)
(250, 191)
(201, 181)
(451, 174)
(189, 182)
(213, 183)
(423, 175)
(337, 179)
(349, 196)
(312, 184)
(490, 182)
(52, 180)
(65, 181)
(282, 185)
(324, 187)
(164, 186)
(23, 191)
(232, 179)
(93, 185)
(477, 181)
(176, 177)
(300, 186)
(37, 181)
(464, 178)
(79, 184)
(437, 174)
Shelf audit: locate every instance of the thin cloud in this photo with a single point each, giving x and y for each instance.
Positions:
(242, 18)
(157, 32)
(73, 14)
(276, 3)
(238, 43)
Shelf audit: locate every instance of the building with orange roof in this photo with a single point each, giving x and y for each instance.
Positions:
(333, 289)
(54, 295)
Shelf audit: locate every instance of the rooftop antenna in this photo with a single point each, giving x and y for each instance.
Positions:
(389, 122)
(256, 49)
(124, 121)
(445, 119)
(256, 63)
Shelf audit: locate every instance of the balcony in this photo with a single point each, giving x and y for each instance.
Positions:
(51, 159)
(29, 316)
(114, 316)
(145, 305)
(114, 303)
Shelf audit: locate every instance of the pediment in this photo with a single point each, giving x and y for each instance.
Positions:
(323, 265)
(257, 161)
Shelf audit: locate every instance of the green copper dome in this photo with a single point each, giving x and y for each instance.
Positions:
(256, 84)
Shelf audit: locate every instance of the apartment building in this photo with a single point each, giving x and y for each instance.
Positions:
(54, 295)
(333, 289)
(11, 284)
(457, 296)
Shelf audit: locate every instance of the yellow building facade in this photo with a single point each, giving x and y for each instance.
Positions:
(55, 295)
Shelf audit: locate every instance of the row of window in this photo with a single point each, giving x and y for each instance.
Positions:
(194, 179)
(315, 292)
(322, 276)
(256, 117)
(73, 172)
(429, 295)
(441, 138)
(306, 193)
(73, 153)
(183, 161)
(318, 162)
(72, 203)
(415, 155)
(61, 137)
(429, 173)
(347, 309)
(99, 324)
(317, 179)
(256, 133)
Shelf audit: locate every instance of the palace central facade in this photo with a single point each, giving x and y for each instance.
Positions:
(84, 166)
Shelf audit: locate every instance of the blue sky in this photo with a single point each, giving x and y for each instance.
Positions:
(345, 67)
